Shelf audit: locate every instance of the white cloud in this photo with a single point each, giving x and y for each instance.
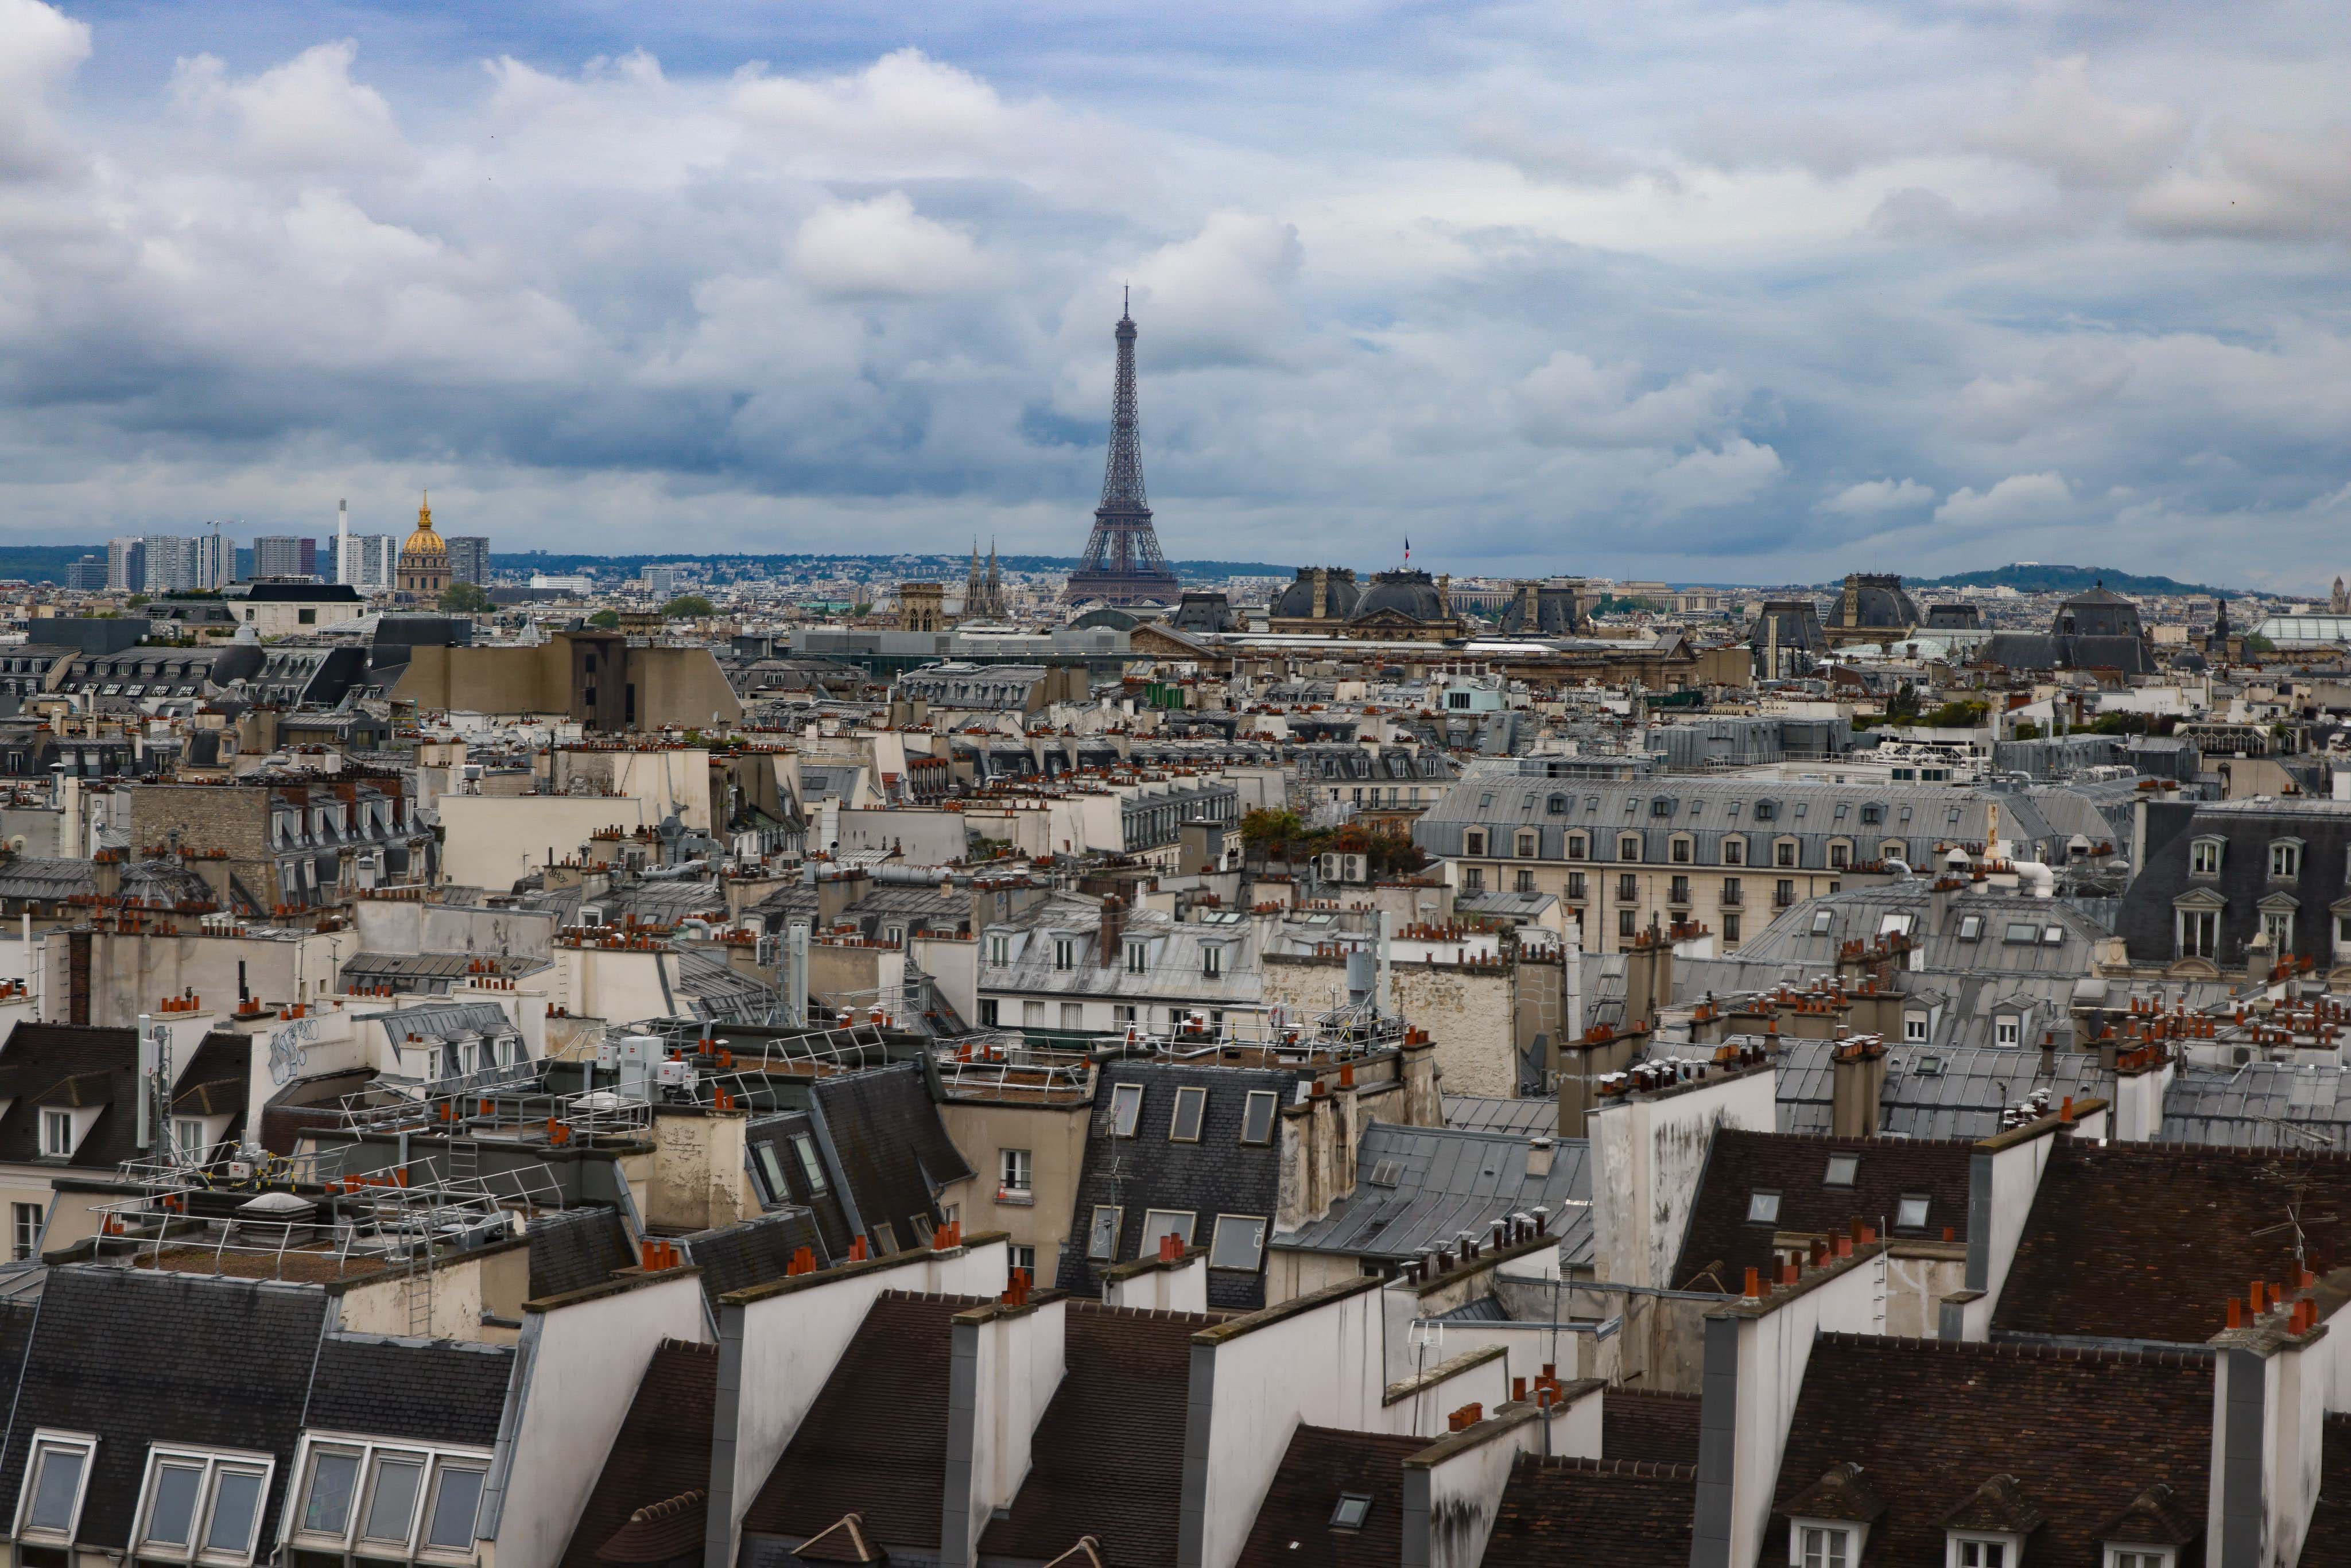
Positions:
(2019, 498)
(2061, 123)
(2256, 184)
(1570, 401)
(883, 247)
(39, 49)
(1875, 497)
(1739, 470)
(1224, 294)
(307, 114)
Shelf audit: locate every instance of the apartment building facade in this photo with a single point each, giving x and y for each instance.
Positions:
(1730, 854)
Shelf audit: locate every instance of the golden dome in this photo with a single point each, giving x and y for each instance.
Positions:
(425, 541)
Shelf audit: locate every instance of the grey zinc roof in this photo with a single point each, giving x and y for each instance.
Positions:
(1418, 1186)
(1937, 1092)
(1481, 1114)
(2260, 1106)
(1865, 912)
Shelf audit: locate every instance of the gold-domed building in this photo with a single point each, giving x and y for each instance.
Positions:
(424, 558)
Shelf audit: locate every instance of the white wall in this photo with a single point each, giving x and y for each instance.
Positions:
(2015, 1177)
(1184, 1288)
(1452, 1492)
(1649, 1152)
(491, 840)
(569, 1420)
(1007, 1365)
(788, 1340)
(1774, 1344)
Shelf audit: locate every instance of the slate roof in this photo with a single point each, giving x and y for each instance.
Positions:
(893, 1150)
(136, 1356)
(2260, 1106)
(1107, 1458)
(1935, 1092)
(1622, 1512)
(662, 1449)
(1293, 1523)
(573, 1249)
(1721, 1242)
(752, 1252)
(874, 1443)
(1418, 1187)
(78, 1064)
(830, 1218)
(436, 1391)
(1648, 1423)
(1218, 1175)
(1483, 1114)
(2136, 1241)
(1932, 1421)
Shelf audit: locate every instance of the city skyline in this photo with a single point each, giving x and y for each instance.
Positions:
(1708, 293)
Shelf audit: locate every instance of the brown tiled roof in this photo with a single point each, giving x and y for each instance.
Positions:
(1293, 1523)
(2133, 1242)
(874, 1443)
(661, 1453)
(1107, 1460)
(1648, 1423)
(222, 1094)
(1622, 1513)
(1843, 1492)
(659, 1531)
(1794, 1165)
(2154, 1519)
(1932, 1422)
(1999, 1505)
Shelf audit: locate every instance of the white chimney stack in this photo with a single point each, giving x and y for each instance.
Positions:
(342, 541)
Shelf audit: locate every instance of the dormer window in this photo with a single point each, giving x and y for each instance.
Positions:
(57, 1474)
(200, 1506)
(1628, 848)
(2204, 857)
(56, 1135)
(999, 949)
(1980, 1551)
(2285, 858)
(2007, 1033)
(1212, 959)
(2136, 1556)
(1820, 1546)
(1138, 957)
(381, 1500)
(1473, 841)
(1914, 1028)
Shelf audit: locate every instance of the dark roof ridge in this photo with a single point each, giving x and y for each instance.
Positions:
(699, 1347)
(943, 1296)
(2242, 1155)
(1673, 1393)
(1871, 1141)
(1647, 1470)
(1143, 1314)
(2015, 1350)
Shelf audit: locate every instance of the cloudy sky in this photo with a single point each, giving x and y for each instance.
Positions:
(1702, 291)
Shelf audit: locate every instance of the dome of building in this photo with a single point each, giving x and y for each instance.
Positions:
(2100, 612)
(1407, 591)
(1339, 595)
(1873, 601)
(425, 541)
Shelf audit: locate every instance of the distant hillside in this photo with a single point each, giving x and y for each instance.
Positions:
(888, 565)
(2040, 577)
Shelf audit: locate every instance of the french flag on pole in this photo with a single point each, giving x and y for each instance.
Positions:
(1407, 549)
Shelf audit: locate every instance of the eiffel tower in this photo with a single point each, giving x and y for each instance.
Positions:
(1122, 563)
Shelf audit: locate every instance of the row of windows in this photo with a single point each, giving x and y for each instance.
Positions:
(2204, 857)
(1238, 1241)
(769, 1166)
(1825, 1545)
(1868, 813)
(1191, 1110)
(203, 1506)
(1123, 1015)
(1681, 850)
(1069, 951)
(1910, 1212)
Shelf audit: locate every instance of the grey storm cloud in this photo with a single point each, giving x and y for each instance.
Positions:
(1680, 289)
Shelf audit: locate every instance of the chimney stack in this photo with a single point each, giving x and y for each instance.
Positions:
(1856, 1081)
(1113, 923)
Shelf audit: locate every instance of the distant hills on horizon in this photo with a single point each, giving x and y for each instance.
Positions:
(2038, 577)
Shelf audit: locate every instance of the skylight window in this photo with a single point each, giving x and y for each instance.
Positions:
(1353, 1509)
(1257, 1117)
(1910, 1214)
(1970, 927)
(383, 1500)
(1239, 1243)
(1763, 1208)
(1125, 1108)
(1841, 1170)
(1191, 1106)
(200, 1506)
(1822, 920)
(57, 1473)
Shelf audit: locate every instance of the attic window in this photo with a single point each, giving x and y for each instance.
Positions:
(2137, 1556)
(811, 1166)
(57, 1134)
(1762, 1207)
(57, 1474)
(1125, 1108)
(1822, 920)
(1238, 1242)
(1102, 1236)
(1841, 1170)
(202, 1506)
(1979, 1551)
(1159, 1222)
(1911, 1212)
(1257, 1117)
(2052, 936)
(1353, 1509)
(398, 1502)
(1970, 927)
(2019, 932)
(1191, 1104)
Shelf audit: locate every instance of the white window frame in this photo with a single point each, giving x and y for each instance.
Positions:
(50, 1122)
(2200, 863)
(1955, 1542)
(1153, 1228)
(1198, 1101)
(1258, 1101)
(1125, 1108)
(1106, 1253)
(372, 1453)
(1016, 1174)
(2285, 858)
(812, 1163)
(1216, 1242)
(210, 1465)
(999, 949)
(1138, 957)
(1212, 959)
(1840, 1543)
(2008, 1033)
(26, 1241)
(1065, 953)
(48, 1441)
(2138, 1554)
(1902, 1205)
(1914, 1028)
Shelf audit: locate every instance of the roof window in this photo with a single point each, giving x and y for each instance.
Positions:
(1125, 1108)
(1762, 1207)
(201, 1507)
(1353, 1507)
(396, 1500)
(1910, 1213)
(1841, 1170)
(57, 1474)
(1257, 1117)
(1191, 1106)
